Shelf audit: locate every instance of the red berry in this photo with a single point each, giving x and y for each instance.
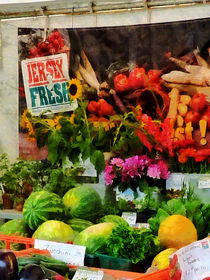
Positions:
(61, 42)
(51, 37)
(52, 51)
(56, 44)
(50, 46)
(57, 34)
(33, 51)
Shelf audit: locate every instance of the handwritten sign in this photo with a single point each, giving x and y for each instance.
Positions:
(191, 262)
(88, 274)
(130, 217)
(71, 254)
(45, 82)
(204, 183)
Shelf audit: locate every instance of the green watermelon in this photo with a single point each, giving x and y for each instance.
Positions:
(83, 202)
(42, 206)
(79, 225)
(114, 219)
(54, 231)
(17, 228)
(95, 237)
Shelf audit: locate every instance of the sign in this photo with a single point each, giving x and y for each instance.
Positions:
(175, 181)
(191, 262)
(87, 274)
(204, 183)
(71, 254)
(45, 83)
(130, 217)
(142, 225)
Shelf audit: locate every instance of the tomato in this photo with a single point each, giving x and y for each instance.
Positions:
(93, 107)
(121, 83)
(57, 34)
(198, 102)
(192, 117)
(137, 78)
(154, 76)
(105, 108)
(52, 51)
(56, 44)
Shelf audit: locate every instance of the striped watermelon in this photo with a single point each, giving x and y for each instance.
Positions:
(16, 228)
(42, 206)
(79, 225)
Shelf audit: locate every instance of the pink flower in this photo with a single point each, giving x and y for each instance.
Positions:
(132, 168)
(117, 161)
(154, 171)
(165, 173)
(109, 175)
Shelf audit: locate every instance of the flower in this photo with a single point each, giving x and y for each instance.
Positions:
(75, 89)
(129, 172)
(117, 161)
(154, 171)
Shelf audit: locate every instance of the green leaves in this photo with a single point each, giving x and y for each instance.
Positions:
(97, 159)
(133, 244)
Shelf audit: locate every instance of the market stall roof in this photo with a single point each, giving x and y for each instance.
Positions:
(15, 8)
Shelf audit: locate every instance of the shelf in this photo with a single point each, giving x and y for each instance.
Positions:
(10, 214)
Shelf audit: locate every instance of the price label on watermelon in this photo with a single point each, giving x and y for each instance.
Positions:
(71, 254)
(88, 274)
(130, 217)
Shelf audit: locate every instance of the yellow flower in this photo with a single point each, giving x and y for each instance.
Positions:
(30, 128)
(25, 123)
(75, 89)
(24, 119)
(72, 117)
(50, 122)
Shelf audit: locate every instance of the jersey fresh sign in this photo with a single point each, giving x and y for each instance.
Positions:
(45, 82)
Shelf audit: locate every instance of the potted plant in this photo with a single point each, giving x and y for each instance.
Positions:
(16, 179)
(135, 174)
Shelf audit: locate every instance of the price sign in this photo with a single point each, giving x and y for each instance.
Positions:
(204, 183)
(141, 225)
(130, 217)
(71, 254)
(86, 274)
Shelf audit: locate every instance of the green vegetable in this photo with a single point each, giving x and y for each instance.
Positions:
(17, 228)
(187, 205)
(113, 219)
(83, 202)
(42, 206)
(79, 225)
(133, 244)
(95, 237)
(54, 231)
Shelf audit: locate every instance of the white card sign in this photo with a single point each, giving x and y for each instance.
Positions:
(88, 274)
(71, 254)
(130, 217)
(142, 225)
(204, 183)
(45, 83)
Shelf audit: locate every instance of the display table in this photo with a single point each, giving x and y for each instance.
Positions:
(10, 214)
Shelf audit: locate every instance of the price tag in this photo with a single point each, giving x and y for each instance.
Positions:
(130, 217)
(141, 225)
(204, 183)
(71, 254)
(87, 274)
(175, 181)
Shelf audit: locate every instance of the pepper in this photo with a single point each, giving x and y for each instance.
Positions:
(93, 107)
(121, 83)
(137, 78)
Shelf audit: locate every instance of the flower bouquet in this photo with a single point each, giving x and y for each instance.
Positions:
(136, 173)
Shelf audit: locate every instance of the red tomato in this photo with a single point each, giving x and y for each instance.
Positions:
(121, 83)
(51, 37)
(61, 42)
(137, 78)
(154, 76)
(192, 117)
(56, 44)
(52, 51)
(57, 34)
(198, 102)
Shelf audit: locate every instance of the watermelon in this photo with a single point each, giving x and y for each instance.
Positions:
(114, 219)
(42, 206)
(17, 228)
(83, 202)
(79, 225)
(95, 237)
(54, 231)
